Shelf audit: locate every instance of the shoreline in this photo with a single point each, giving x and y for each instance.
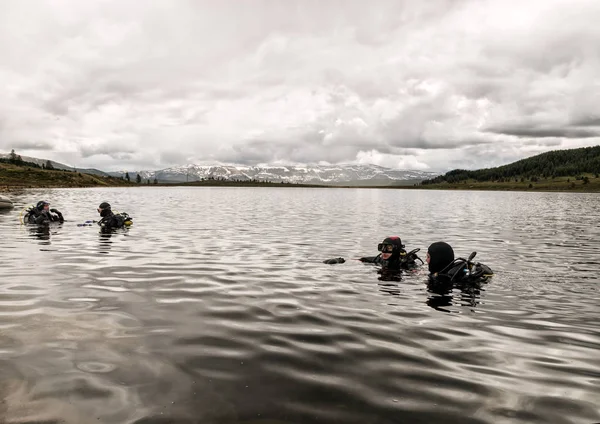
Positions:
(580, 188)
(15, 178)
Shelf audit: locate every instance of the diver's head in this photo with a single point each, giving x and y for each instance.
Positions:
(390, 248)
(439, 255)
(42, 205)
(104, 209)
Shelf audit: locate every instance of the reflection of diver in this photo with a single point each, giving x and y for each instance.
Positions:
(389, 279)
(439, 297)
(105, 241)
(389, 274)
(447, 273)
(441, 293)
(42, 232)
(42, 214)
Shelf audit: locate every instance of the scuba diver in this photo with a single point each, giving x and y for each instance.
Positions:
(111, 221)
(42, 214)
(392, 256)
(448, 273)
(444, 268)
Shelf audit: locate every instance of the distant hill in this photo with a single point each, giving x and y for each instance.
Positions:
(554, 164)
(12, 175)
(57, 165)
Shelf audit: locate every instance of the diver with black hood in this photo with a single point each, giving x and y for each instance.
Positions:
(392, 256)
(111, 221)
(448, 274)
(444, 268)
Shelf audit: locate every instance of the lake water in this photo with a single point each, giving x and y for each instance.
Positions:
(215, 307)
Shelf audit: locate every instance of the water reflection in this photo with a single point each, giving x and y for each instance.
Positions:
(43, 232)
(442, 293)
(386, 274)
(389, 279)
(104, 237)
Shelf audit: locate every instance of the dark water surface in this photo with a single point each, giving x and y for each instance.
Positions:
(215, 307)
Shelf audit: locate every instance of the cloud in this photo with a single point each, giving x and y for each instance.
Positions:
(422, 85)
(108, 150)
(391, 161)
(533, 132)
(32, 145)
(588, 121)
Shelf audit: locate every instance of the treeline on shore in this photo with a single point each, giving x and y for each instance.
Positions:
(550, 165)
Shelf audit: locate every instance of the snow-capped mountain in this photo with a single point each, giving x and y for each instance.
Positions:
(366, 175)
(313, 174)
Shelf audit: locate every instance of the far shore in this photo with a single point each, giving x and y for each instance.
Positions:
(17, 178)
(570, 187)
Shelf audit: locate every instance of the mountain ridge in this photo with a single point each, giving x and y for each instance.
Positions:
(343, 174)
(305, 174)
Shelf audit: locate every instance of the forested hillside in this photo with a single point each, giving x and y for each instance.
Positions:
(559, 163)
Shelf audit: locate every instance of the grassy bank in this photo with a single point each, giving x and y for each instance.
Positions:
(18, 177)
(562, 184)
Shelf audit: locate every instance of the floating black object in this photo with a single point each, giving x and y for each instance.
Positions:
(334, 261)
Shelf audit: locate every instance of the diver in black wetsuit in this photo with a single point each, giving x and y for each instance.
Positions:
(444, 268)
(42, 214)
(448, 274)
(393, 255)
(111, 221)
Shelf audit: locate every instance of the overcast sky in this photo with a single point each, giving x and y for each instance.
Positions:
(432, 85)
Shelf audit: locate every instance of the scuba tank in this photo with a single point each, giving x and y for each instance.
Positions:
(464, 270)
(124, 219)
(410, 257)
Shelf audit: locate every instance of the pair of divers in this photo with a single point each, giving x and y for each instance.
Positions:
(443, 266)
(41, 214)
